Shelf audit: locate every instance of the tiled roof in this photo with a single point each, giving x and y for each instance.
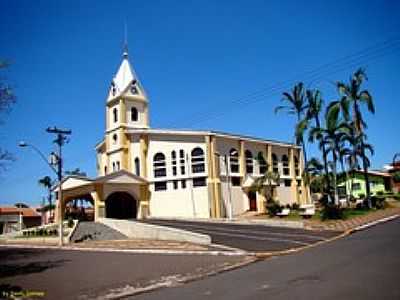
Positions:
(26, 212)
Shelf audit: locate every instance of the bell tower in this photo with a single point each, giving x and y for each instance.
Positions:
(127, 103)
(126, 108)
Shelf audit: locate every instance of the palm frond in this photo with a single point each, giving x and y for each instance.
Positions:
(366, 97)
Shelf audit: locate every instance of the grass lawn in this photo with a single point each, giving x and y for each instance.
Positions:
(348, 214)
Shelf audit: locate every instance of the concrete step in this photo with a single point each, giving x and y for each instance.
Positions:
(96, 232)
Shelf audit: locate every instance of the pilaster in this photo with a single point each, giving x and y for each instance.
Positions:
(144, 146)
(269, 157)
(242, 159)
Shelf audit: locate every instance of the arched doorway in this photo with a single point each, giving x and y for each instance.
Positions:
(121, 205)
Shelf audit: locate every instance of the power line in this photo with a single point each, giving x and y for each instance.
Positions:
(343, 63)
(278, 90)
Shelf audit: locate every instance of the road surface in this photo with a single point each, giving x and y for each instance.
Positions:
(364, 265)
(251, 237)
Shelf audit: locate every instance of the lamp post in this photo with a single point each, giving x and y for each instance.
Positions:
(228, 183)
(55, 159)
(51, 162)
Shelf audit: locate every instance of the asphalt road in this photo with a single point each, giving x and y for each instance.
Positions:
(364, 265)
(251, 237)
(66, 274)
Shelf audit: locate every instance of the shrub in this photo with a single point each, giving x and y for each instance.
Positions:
(332, 212)
(273, 208)
(295, 206)
(380, 193)
(380, 202)
(361, 196)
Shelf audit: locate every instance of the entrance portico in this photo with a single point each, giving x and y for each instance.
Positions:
(121, 195)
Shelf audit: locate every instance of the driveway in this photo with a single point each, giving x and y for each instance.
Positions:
(251, 237)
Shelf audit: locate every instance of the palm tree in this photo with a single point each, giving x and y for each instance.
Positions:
(314, 109)
(47, 183)
(355, 97)
(265, 184)
(314, 173)
(332, 138)
(295, 104)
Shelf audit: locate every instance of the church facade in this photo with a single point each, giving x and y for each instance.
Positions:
(145, 172)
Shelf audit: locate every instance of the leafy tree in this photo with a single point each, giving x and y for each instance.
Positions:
(295, 104)
(7, 99)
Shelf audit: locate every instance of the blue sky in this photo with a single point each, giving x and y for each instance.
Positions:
(200, 62)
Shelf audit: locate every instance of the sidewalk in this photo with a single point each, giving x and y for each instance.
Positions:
(344, 225)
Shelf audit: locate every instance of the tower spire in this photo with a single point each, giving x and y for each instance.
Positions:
(125, 53)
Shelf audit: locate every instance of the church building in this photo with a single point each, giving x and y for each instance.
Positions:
(148, 172)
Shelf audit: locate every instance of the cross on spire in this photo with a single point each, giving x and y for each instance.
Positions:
(125, 53)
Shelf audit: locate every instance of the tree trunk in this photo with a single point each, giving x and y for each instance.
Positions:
(366, 177)
(344, 171)
(359, 129)
(50, 203)
(335, 179)
(324, 154)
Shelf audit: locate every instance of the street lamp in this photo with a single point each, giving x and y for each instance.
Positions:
(51, 162)
(55, 160)
(228, 183)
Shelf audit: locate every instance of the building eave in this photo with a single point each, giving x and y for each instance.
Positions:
(184, 132)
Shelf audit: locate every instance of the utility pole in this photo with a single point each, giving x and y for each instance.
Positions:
(61, 138)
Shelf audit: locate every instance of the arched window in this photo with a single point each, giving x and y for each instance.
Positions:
(249, 162)
(182, 161)
(137, 166)
(118, 166)
(285, 165)
(234, 160)
(134, 114)
(133, 88)
(159, 165)
(275, 168)
(113, 89)
(262, 164)
(105, 170)
(115, 138)
(198, 165)
(296, 166)
(115, 115)
(173, 160)
(113, 166)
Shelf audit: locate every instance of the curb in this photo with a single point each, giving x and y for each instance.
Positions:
(373, 223)
(265, 255)
(268, 223)
(134, 251)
